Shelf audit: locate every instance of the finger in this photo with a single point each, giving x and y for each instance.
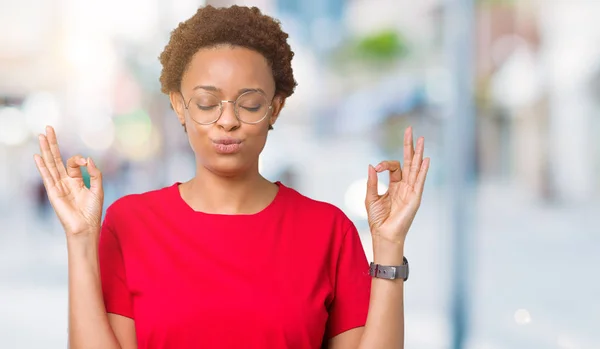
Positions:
(416, 162)
(44, 172)
(48, 158)
(53, 141)
(95, 177)
(409, 152)
(74, 166)
(420, 184)
(394, 167)
(371, 186)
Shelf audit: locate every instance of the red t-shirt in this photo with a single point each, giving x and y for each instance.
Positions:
(290, 276)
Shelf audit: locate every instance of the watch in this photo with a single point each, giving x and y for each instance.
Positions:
(390, 272)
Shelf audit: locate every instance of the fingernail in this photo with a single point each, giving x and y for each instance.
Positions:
(378, 168)
(92, 162)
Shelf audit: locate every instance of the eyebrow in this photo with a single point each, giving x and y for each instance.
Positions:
(216, 89)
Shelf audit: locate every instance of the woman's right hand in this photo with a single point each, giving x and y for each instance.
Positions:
(78, 208)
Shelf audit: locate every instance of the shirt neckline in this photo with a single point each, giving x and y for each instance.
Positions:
(265, 211)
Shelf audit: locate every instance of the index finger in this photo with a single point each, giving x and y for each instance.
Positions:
(409, 152)
(393, 167)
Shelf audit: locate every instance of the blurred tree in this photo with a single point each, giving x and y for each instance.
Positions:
(385, 45)
(377, 49)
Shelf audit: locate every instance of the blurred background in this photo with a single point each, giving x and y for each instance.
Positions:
(505, 249)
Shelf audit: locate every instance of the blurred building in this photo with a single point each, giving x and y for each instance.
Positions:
(538, 105)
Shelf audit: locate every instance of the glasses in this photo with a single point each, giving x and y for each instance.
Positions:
(250, 107)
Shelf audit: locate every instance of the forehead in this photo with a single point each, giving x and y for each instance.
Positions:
(229, 69)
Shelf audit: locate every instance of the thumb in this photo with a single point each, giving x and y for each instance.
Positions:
(372, 194)
(95, 177)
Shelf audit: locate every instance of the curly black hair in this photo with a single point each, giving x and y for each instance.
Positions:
(237, 26)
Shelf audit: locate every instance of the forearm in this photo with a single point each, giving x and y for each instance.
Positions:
(88, 321)
(385, 321)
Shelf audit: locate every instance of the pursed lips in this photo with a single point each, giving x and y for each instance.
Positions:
(227, 141)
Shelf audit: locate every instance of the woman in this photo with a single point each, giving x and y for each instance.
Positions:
(229, 259)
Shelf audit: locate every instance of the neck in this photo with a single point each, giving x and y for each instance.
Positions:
(210, 192)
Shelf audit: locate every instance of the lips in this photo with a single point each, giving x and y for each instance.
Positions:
(227, 141)
(227, 145)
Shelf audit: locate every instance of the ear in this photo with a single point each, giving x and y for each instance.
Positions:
(278, 104)
(177, 105)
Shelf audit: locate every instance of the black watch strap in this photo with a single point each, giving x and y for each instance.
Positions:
(390, 272)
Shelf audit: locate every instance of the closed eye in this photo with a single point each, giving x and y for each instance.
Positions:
(251, 109)
(207, 107)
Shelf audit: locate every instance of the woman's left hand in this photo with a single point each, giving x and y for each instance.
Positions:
(391, 214)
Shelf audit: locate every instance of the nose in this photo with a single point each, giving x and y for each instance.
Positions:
(228, 121)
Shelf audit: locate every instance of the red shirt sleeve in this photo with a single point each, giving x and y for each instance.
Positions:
(117, 298)
(350, 303)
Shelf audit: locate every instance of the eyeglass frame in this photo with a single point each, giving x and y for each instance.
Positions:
(235, 109)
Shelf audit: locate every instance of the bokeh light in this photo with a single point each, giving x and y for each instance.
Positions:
(13, 127)
(99, 134)
(522, 317)
(135, 135)
(41, 109)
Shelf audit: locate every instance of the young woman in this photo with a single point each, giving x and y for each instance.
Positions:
(229, 259)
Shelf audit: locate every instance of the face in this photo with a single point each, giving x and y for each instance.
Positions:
(227, 147)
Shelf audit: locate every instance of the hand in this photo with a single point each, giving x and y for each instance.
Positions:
(391, 214)
(78, 208)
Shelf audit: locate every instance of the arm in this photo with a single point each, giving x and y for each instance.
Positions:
(390, 217)
(124, 329)
(385, 320)
(89, 325)
(79, 210)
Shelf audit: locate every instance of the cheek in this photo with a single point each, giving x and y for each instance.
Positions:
(258, 138)
(197, 138)
(259, 145)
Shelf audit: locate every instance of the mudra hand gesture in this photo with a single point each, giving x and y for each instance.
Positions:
(391, 214)
(78, 208)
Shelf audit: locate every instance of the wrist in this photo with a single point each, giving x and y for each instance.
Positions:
(89, 233)
(83, 244)
(387, 252)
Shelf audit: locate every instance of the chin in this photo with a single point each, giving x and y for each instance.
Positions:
(228, 166)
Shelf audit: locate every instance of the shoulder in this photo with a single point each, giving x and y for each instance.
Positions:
(317, 211)
(139, 203)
